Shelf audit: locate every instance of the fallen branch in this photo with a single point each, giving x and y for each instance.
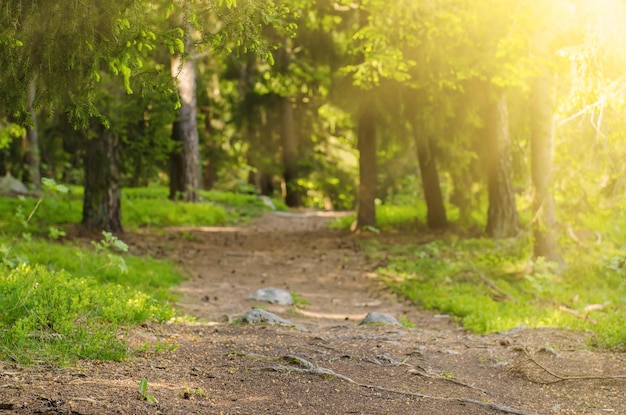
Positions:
(309, 368)
(490, 283)
(577, 314)
(563, 378)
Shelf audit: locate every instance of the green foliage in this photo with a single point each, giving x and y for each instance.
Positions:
(9, 132)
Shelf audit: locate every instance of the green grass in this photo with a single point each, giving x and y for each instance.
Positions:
(445, 275)
(61, 303)
(141, 207)
(388, 217)
(151, 276)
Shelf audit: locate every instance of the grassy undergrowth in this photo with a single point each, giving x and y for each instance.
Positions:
(492, 286)
(59, 303)
(388, 217)
(62, 302)
(141, 207)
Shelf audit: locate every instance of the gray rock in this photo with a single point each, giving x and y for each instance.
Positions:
(258, 316)
(10, 186)
(374, 317)
(272, 295)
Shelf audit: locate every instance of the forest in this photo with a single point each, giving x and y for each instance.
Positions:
(495, 126)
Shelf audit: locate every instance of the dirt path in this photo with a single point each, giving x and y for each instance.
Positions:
(335, 366)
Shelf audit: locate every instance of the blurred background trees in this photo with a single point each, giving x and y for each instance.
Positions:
(495, 115)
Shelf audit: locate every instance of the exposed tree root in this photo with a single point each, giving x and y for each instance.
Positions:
(304, 366)
(555, 376)
(420, 371)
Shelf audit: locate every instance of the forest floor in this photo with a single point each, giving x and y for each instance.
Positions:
(335, 366)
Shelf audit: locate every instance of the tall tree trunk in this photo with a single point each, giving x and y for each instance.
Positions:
(184, 70)
(436, 217)
(541, 144)
(368, 172)
(289, 141)
(32, 138)
(502, 219)
(103, 195)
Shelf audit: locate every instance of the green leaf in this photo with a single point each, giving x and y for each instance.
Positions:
(143, 386)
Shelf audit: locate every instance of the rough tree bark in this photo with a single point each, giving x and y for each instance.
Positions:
(502, 219)
(436, 216)
(32, 138)
(541, 144)
(368, 172)
(103, 195)
(185, 167)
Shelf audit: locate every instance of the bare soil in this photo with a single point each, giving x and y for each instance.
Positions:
(335, 366)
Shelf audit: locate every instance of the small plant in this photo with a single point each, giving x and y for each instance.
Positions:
(406, 323)
(298, 300)
(158, 347)
(189, 392)
(143, 391)
(109, 245)
(55, 233)
(165, 347)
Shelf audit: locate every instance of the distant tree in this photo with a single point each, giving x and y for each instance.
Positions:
(502, 218)
(367, 144)
(211, 29)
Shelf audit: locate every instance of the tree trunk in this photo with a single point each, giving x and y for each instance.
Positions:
(103, 195)
(366, 212)
(32, 138)
(176, 165)
(289, 141)
(213, 154)
(541, 143)
(461, 196)
(186, 128)
(436, 217)
(502, 219)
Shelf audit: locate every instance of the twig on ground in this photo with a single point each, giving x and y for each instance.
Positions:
(577, 314)
(308, 367)
(563, 378)
(84, 400)
(490, 283)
